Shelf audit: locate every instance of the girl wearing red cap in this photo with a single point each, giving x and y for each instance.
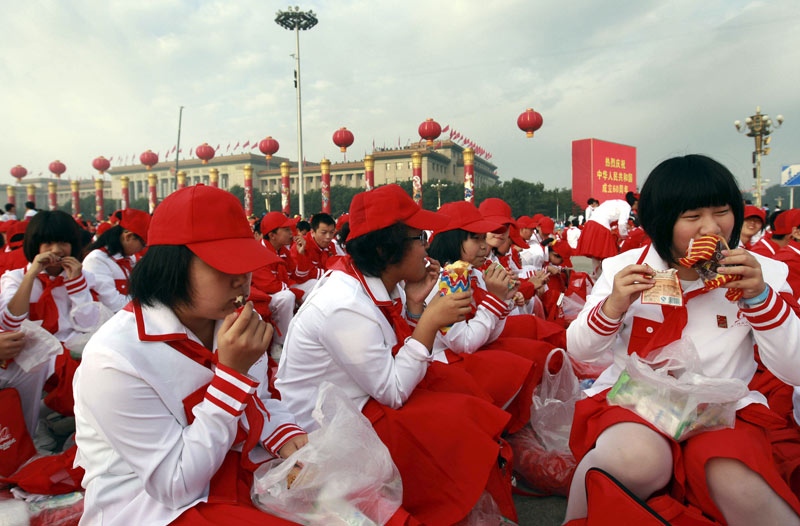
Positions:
(172, 410)
(113, 255)
(753, 226)
(730, 474)
(366, 328)
(608, 222)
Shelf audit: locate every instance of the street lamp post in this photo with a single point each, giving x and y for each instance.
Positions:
(758, 126)
(297, 20)
(439, 186)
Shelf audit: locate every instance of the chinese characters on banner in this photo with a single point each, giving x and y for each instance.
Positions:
(603, 170)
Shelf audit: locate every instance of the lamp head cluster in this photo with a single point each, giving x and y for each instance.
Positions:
(758, 125)
(296, 19)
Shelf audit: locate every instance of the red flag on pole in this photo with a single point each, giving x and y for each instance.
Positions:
(446, 128)
(229, 147)
(245, 145)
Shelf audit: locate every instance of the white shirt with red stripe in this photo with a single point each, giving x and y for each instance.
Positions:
(74, 293)
(107, 272)
(145, 464)
(340, 335)
(722, 332)
(484, 327)
(613, 211)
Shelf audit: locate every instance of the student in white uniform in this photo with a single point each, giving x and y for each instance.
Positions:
(53, 288)
(113, 255)
(599, 237)
(729, 474)
(172, 412)
(367, 329)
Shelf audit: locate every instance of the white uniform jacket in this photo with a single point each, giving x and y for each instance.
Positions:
(613, 210)
(484, 327)
(341, 336)
(573, 235)
(145, 464)
(110, 277)
(74, 293)
(722, 332)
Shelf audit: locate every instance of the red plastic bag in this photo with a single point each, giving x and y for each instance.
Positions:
(548, 471)
(16, 445)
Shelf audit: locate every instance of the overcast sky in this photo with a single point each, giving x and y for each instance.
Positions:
(84, 78)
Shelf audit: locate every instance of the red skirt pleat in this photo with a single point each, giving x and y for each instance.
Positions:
(445, 446)
(535, 328)
(596, 241)
(747, 442)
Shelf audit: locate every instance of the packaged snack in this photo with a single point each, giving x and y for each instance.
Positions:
(666, 291)
(454, 278)
(704, 255)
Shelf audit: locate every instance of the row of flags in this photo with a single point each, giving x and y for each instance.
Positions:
(169, 153)
(458, 137)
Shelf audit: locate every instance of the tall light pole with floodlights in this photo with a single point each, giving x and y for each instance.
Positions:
(439, 186)
(296, 20)
(758, 126)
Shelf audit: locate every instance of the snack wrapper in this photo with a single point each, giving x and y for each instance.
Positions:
(704, 255)
(453, 278)
(666, 291)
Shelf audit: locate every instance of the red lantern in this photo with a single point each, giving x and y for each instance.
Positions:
(148, 159)
(204, 152)
(430, 130)
(57, 168)
(101, 164)
(529, 121)
(343, 138)
(269, 147)
(19, 172)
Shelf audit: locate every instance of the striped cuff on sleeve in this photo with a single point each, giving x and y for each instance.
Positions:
(10, 322)
(280, 436)
(76, 285)
(495, 305)
(769, 314)
(230, 389)
(602, 324)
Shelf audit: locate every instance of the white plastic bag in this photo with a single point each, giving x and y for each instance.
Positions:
(39, 347)
(554, 404)
(347, 476)
(669, 390)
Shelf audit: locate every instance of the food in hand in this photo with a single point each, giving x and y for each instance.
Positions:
(453, 278)
(703, 255)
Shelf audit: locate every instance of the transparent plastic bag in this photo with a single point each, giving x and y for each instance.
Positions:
(554, 404)
(547, 471)
(669, 390)
(485, 513)
(347, 475)
(40, 346)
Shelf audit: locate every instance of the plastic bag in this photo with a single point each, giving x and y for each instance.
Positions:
(548, 471)
(485, 513)
(40, 346)
(347, 475)
(554, 404)
(669, 390)
(26, 509)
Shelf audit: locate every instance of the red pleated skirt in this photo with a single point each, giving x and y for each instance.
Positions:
(596, 241)
(446, 447)
(747, 442)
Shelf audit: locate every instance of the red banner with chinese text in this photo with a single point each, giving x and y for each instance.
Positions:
(603, 170)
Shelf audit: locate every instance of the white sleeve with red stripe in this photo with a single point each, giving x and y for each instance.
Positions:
(229, 390)
(279, 426)
(78, 288)
(487, 324)
(9, 284)
(776, 331)
(593, 333)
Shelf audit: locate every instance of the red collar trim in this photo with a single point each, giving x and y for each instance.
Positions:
(136, 308)
(346, 265)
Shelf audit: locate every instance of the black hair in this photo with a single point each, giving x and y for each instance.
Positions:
(590, 201)
(322, 218)
(162, 276)
(343, 233)
(686, 183)
(30, 205)
(376, 250)
(9, 206)
(779, 237)
(257, 226)
(303, 225)
(567, 223)
(111, 240)
(631, 198)
(771, 220)
(446, 246)
(52, 227)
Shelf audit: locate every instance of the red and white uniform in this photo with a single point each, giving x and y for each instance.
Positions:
(66, 297)
(597, 239)
(154, 425)
(29, 386)
(790, 254)
(765, 247)
(573, 235)
(722, 332)
(111, 277)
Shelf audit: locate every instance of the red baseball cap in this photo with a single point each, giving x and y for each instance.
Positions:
(754, 211)
(102, 228)
(546, 225)
(524, 221)
(136, 221)
(344, 218)
(466, 216)
(211, 223)
(563, 249)
(16, 234)
(786, 221)
(516, 237)
(275, 220)
(5, 225)
(497, 210)
(385, 206)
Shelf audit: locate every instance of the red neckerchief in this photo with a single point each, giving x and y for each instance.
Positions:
(392, 310)
(124, 263)
(45, 309)
(318, 256)
(478, 294)
(201, 355)
(675, 319)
